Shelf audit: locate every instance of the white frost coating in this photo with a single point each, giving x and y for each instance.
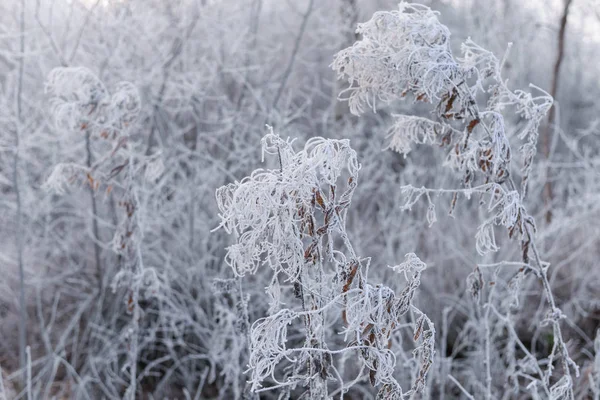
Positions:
(81, 104)
(275, 217)
(407, 53)
(261, 209)
(395, 55)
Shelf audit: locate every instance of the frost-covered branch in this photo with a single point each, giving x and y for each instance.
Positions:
(293, 220)
(407, 52)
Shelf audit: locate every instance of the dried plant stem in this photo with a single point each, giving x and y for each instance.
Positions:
(548, 192)
(19, 237)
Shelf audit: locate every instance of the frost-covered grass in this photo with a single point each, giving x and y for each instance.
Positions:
(416, 224)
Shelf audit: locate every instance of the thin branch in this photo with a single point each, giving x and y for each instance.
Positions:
(19, 237)
(290, 66)
(462, 389)
(548, 191)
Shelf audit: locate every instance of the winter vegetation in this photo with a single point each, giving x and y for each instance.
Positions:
(264, 199)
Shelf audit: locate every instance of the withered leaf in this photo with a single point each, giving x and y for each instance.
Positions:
(472, 125)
